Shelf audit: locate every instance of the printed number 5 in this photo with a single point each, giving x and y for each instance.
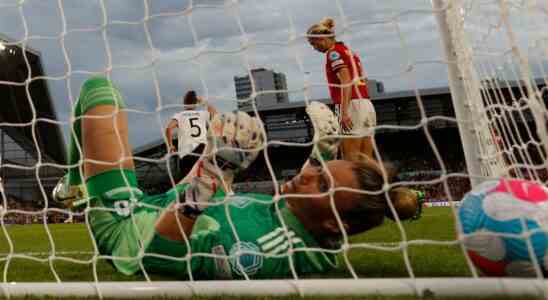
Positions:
(195, 126)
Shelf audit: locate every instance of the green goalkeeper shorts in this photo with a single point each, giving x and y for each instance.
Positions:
(123, 219)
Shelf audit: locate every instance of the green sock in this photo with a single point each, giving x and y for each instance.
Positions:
(95, 91)
(74, 176)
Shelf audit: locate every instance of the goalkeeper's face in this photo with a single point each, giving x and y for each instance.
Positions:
(308, 193)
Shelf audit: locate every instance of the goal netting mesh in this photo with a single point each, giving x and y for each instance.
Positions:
(501, 69)
(490, 122)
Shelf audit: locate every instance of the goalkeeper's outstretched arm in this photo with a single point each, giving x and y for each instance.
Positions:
(171, 125)
(210, 108)
(228, 135)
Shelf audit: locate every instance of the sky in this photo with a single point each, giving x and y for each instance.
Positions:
(156, 50)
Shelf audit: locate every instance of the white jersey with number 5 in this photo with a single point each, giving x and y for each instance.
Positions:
(192, 130)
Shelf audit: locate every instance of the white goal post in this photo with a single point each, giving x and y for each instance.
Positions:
(427, 287)
(497, 71)
(492, 148)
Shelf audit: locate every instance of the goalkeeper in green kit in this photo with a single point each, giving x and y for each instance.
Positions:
(197, 231)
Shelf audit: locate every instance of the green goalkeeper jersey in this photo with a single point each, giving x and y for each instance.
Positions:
(240, 235)
(246, 236)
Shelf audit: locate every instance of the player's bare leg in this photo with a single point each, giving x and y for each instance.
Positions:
(367, 147)
(351, 149)
(99, 133)
(105, 140)
(109, 144)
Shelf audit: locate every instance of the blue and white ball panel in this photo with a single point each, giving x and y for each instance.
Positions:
(507, 207)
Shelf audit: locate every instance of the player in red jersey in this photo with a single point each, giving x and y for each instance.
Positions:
(347, 88)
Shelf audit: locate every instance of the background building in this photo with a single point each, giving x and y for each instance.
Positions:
(375, 88)
(30, 142)
(266, 81)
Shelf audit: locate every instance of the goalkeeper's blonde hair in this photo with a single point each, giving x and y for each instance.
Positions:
(373, 208)
(325, 27)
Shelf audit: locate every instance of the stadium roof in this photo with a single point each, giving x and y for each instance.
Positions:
(389, 96)
(154, 146)
(384, 96)
(24, 124)
(149, 149)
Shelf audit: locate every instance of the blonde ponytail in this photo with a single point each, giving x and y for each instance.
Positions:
(329, 23)
(325, 27)
(371, 176)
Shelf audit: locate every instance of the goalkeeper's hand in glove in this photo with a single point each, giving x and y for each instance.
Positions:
(326, 128)
(234, 141)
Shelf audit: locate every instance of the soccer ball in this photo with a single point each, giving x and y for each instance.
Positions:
(504, 222)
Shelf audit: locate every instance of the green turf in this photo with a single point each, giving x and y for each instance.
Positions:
(426, 260)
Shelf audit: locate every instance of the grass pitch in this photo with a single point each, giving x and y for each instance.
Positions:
(73, 248)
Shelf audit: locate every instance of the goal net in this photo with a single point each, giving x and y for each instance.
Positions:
(501, 70)
(459, 87)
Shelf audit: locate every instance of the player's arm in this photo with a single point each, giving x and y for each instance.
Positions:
(168, 224)
(169, 134)
(211, 170)
(345, 79)
(364, 76)
(339, 63)
(210, 108)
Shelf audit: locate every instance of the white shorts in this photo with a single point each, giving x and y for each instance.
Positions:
(363, 116)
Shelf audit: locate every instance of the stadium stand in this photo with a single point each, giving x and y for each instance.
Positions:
(17, 143)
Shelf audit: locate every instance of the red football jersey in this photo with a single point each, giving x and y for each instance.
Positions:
(336, 58)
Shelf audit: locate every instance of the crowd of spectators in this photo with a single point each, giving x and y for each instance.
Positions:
(437, 185)
(427, 175)
(19, 211)
(441, 177)
(434, 165)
